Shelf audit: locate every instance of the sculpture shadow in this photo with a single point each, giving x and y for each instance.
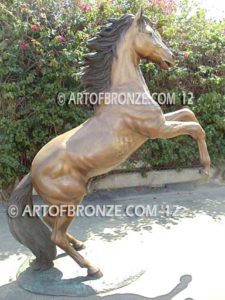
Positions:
(78, 284)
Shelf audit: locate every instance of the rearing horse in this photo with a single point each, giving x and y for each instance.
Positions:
(62, 168)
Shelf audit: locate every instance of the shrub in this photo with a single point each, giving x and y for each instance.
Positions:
(42, 43)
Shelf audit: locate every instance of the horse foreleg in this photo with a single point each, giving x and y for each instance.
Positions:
(78, 245)
(170, 129)
(59, 237)
(184, 115)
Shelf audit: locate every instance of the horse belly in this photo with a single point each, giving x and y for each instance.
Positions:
(120, 151)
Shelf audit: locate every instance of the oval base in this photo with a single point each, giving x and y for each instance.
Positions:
(67, 279)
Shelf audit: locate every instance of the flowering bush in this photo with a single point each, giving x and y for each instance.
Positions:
(42, 43)
(167, 6)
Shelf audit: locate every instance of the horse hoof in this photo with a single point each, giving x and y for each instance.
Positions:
(35, 265)
(46, 266)
(95, 275)
(80, 247)
(204, 172)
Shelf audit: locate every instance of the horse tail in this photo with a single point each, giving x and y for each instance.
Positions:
(30, 230)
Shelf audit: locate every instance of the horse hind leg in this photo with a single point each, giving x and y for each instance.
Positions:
(184, 115)
(78, 245)
(60, 238)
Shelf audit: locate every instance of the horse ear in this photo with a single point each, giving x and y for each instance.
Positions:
(138, 15)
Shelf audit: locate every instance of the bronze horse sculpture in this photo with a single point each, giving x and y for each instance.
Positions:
(62, 169)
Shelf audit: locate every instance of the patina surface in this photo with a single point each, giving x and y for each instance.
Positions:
(62, 169)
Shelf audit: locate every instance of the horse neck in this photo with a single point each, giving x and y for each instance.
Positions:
(126, 71)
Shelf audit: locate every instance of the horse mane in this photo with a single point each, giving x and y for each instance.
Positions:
(97, 65)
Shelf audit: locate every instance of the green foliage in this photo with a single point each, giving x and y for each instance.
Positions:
(41, 44)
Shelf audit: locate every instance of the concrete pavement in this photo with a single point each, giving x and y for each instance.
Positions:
(183, 244)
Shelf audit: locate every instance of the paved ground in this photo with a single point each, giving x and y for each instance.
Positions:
(189, 246)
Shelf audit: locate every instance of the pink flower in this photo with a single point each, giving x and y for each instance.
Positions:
(154, 158)
(171, 2)
(60, 38)
(167, 10)
(23, 45)
(166, 5)
(85, 7)
(224, 32)
(34, 27)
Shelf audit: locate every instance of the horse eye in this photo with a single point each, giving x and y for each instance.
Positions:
(149, 31)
